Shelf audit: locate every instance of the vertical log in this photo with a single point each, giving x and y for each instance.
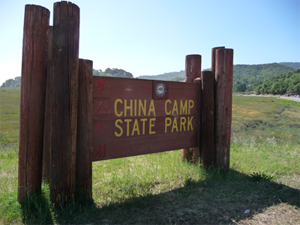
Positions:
(223, 106)
(64, 101)
(213, 58)
(46, 145)
(207, 119)
(32, 106)
(84, 138)
(192, 71)
(213, 69)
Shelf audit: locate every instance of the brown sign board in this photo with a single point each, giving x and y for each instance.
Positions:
(134, 116)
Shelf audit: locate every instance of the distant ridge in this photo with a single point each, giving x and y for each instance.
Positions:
(250, 75)
(294, 65)
(165, 76)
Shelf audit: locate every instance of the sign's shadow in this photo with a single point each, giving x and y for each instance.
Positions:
(220, 198)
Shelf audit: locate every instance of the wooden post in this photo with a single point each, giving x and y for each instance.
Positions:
(192, 71)
(64, 101)
(32, 107)
(207, 119)
(223, 106)
(84, 130)
(46, 144)
(213, 69)
(213, 58)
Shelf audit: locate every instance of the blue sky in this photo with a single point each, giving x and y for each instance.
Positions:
(150, 37)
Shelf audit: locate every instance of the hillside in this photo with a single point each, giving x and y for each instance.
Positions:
(245, 77)
(248, 77)
(12, 83)
(166, 76)
(284, 83)
(294, 65)
(112, 73)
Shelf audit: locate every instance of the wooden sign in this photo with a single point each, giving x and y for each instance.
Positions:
(133, 116)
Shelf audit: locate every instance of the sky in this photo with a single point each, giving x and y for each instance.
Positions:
(151, 37)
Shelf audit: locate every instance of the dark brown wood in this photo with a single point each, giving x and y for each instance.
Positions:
(121, 127)
(192, 71)
(213, 69)
(207, 119)
(46, 144)
(32, 107)
(223, 106)
(213, 58)
(64, 101)
(84, 129)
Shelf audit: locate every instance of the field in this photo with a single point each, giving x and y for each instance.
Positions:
(262, 186)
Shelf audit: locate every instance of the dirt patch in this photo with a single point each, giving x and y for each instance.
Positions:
(279, 214)
(253, 123)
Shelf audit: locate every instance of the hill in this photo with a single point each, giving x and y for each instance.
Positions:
(251, 76)
(176, 76)
(245, 77)
(112, 73)
(294, 65)
(12, 83)
(284, 83)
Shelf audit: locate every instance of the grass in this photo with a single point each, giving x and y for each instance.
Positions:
(9, 115)
(262, 186)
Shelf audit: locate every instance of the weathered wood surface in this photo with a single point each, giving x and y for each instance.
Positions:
(223, 106)
(207, 118)
(32, 107)
(84, 129)
(213, 58)
(128, 121)
(46, 144)
(192, 71)
(64, 101)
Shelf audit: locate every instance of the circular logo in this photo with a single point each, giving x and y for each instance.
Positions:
(160, 89)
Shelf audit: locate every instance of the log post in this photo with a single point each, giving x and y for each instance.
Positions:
(32, 106)
(213, 58)
(207, 119)
(223, 106)
(84, 130)
(46, 144)
(192, 71)
(213, 70)
(64, 101)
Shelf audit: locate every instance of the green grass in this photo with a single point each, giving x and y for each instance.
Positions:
(160, 189)
(9, 115)
(265, 118)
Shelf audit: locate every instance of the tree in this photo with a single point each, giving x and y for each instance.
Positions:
(239, 86)
(295, 89)
(276, 88)
(96, 72)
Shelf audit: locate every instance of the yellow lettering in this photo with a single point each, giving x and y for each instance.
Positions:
(142, 107)
(151, 108)
(166, 107)
(151, 125)
(144, 120)
(128, 121)
(126, 107)
(191, 105)
(182, 123)
(183, 107)
(175, 108)
(116, 112)
(190, 120)
(174, 126)
(118, 126)
(135, 128)
(168, 122)
(135, 107)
